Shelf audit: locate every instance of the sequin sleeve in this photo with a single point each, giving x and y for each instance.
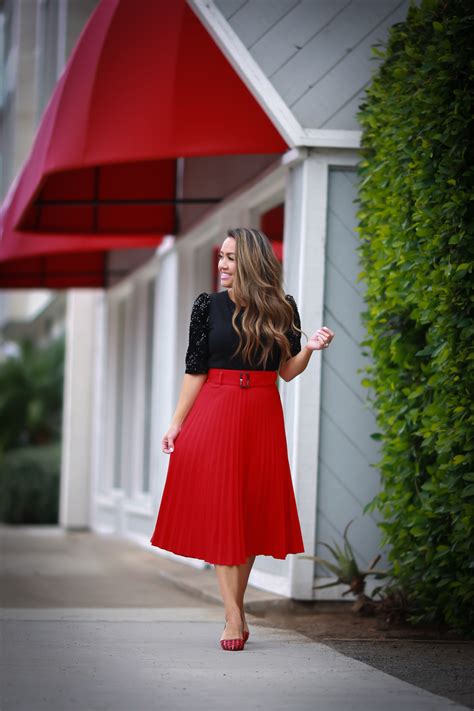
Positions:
(294, 337)
(197, 354)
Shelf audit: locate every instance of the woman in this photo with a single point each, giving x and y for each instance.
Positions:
(228, 494)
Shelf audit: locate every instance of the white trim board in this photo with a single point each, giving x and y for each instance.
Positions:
(262, 89)
(270, 582)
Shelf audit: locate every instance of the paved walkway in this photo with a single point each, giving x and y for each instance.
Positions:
(91, 623)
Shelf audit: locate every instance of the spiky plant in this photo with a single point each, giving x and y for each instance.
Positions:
(346, 568)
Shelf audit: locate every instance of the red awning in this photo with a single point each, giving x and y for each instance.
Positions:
(145, 85)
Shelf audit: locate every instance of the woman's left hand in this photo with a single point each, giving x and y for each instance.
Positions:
(320, 339)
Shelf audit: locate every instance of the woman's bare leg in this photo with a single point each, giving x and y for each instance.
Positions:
(232, 581)
(228, 579)
(244, 574)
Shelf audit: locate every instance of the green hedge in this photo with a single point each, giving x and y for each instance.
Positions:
(31, 394)
(29, 485)
(417, 253)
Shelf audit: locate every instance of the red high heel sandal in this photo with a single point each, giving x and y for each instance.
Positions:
(233, 645)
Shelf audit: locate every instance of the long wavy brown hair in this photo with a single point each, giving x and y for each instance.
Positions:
(258, 293)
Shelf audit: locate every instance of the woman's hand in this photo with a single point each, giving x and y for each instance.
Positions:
(294, 366)
(167, 443)
(320, 339)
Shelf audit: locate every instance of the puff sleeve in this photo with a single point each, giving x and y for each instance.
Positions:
(294, 337)
(197, 353)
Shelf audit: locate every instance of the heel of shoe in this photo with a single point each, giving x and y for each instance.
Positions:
(246, 634)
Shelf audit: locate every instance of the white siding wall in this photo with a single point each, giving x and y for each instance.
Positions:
(328, 422)
(316, 53)
(346, 479)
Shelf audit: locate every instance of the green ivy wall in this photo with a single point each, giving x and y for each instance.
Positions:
(417, 251)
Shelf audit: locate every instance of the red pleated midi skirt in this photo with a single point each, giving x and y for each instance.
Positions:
(228, 492)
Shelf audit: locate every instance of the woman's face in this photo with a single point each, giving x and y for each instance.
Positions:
(226, 263)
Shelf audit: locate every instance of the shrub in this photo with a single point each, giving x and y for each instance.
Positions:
(31, 392)
(417, 255)
(29, 484)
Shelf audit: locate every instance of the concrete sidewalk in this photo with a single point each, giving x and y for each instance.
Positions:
(90, 623)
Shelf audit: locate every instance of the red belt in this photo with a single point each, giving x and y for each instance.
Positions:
(243, 378)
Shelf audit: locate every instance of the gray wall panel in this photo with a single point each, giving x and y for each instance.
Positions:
(346, 479)
(286, 39)
(321, 100)
(230, 7)
(319, 56)
(316, 53)
(255, 18)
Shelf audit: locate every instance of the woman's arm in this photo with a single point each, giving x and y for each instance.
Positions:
(295, 365)
(195, 375)
(192, 383)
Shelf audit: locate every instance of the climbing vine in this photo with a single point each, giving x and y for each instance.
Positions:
(415, 223)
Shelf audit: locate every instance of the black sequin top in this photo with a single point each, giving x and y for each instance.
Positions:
(212, 340)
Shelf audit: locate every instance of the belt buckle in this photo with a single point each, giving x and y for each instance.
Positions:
(247, 376)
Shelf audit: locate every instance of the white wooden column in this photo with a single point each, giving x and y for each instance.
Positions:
(164, 362)
(99, 407)
(304, 259)
(76, 459)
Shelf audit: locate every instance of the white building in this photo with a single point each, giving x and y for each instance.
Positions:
(307, 64)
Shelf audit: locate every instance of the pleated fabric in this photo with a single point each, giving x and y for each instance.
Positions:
(228, 491)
